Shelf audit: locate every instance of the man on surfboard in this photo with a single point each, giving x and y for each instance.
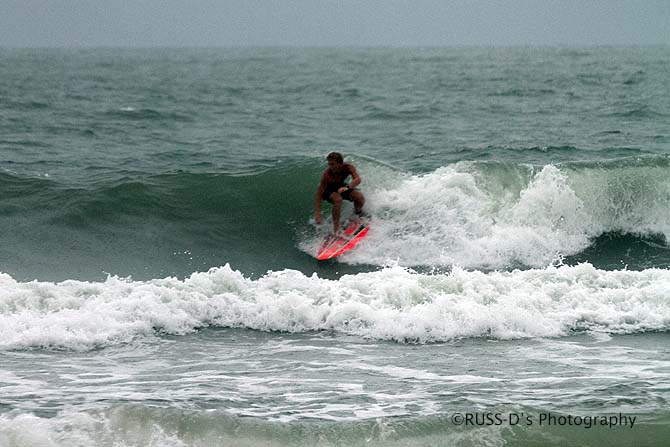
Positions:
(333, 188)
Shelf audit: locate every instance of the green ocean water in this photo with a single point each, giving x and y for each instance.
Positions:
(157, 278)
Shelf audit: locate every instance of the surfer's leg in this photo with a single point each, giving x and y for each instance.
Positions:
(337, 208)
(359, 200)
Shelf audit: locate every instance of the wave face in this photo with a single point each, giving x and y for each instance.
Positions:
(482, 215)
(390, 304)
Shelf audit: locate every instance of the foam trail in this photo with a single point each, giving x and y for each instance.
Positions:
(390, 304)
(494, 215)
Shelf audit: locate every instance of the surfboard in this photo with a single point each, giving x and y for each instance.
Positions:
(334, 245)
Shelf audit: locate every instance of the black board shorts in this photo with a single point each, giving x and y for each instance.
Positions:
(346, 195)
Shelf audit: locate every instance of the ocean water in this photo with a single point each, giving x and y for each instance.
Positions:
(158, 285)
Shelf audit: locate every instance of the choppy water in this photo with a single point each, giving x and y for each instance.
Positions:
(158, 285)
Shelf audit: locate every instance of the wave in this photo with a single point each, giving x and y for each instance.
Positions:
(484, 215)
(524, 92)
(390, 304)
(152, 426)
(495, 215)
(131, 113)
(637, 112)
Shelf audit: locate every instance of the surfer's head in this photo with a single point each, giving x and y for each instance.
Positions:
(335, 161)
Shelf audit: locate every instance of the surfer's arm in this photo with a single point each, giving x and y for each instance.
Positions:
(355, 178)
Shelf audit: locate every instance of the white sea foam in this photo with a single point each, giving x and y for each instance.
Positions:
(78, 429)
(156, 427)
(496, 216)
(390, 304)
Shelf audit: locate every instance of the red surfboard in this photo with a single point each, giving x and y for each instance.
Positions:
(336, 244)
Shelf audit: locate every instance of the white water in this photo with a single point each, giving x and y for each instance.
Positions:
(390, 304)
(496, 216)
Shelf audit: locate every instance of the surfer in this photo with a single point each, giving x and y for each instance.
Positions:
(333, 188)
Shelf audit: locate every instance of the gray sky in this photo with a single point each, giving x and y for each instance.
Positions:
(212, 23)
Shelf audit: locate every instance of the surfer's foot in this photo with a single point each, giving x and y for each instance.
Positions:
(361, 213)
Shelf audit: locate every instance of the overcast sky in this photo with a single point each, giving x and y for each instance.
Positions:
(221, 23)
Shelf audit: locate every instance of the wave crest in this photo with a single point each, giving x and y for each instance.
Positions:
(391, 304)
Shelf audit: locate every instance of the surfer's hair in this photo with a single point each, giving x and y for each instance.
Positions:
(336, 157)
